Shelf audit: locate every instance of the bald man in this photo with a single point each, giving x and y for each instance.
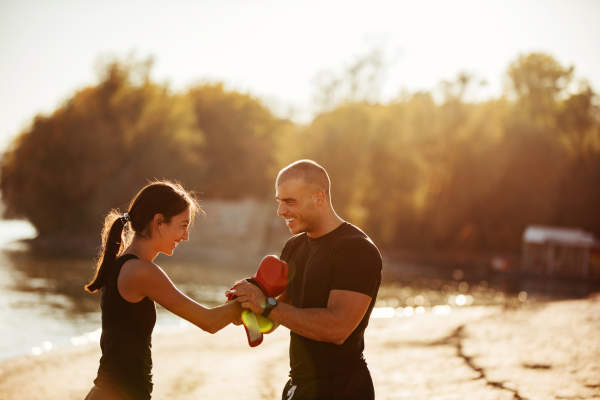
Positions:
(335, 273)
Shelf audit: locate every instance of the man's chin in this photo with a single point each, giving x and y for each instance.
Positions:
(296, 230)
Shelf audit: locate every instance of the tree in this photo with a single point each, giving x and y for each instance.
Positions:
(68, 169)
(239, 137)
(538, 81)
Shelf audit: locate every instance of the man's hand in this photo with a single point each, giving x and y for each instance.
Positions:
(250, 296)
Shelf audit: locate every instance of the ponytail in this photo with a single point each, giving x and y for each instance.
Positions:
(112, 243)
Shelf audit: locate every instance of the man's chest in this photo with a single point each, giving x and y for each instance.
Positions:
(312, 274)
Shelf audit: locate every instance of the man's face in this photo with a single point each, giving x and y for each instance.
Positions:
(297, 205)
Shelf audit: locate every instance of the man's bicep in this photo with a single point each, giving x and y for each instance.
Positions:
(350, 306)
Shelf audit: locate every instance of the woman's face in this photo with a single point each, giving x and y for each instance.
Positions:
(172, 232)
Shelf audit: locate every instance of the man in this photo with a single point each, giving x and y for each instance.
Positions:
(335, 273)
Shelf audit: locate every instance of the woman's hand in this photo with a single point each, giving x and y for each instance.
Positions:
(238, 319)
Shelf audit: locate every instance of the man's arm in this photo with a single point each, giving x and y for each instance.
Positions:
(345, 309)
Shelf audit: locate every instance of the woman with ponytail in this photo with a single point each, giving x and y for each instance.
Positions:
(157, 220)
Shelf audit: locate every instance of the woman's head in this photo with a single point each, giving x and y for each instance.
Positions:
(159, 202)
(161, 212)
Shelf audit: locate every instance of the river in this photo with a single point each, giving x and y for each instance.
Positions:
(43, 306)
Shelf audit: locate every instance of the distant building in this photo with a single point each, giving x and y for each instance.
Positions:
(564, 252)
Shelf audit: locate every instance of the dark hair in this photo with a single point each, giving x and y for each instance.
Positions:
(160, 197)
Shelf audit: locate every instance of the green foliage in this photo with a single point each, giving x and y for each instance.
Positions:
(69, 168)
(415, 172)
(454, 175)
(239, 142)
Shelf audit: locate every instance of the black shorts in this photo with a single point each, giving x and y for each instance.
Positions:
(355, 386)
(102, 394)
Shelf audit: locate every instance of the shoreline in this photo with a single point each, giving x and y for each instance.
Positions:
(538, 351)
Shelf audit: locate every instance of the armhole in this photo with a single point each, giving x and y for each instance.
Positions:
(122, 261)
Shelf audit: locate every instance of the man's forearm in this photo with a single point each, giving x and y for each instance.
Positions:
(320, 324)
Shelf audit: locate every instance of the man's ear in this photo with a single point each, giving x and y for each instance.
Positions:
(319, 196)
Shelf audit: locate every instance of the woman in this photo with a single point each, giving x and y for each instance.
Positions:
(157, 221)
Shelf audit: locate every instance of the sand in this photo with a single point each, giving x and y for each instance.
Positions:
(538, 351)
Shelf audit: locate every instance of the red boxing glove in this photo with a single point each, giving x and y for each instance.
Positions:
(271, 277)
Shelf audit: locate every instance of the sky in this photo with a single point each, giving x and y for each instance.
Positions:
(275, 49)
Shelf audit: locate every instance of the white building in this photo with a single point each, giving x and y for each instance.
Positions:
(557, 251)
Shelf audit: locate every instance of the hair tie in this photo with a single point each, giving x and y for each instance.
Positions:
(125, 218)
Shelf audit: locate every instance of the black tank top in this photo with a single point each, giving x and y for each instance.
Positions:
(126, 362)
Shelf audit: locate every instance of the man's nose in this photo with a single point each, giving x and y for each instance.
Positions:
(281, 209)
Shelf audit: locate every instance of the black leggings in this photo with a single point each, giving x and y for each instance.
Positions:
(354, 386)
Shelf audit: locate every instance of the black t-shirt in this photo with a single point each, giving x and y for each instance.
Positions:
(344, 259)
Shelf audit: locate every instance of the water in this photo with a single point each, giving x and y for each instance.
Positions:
(43, 306)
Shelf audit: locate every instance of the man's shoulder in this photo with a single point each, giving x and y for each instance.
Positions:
(292, 243)
(299, 237)
(353, 238)
(352, 234)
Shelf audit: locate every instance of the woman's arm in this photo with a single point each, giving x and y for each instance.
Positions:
(141, 278)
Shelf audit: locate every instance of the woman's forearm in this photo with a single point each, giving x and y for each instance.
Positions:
(221, 316)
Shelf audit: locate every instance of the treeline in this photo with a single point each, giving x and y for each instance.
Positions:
(427, 171)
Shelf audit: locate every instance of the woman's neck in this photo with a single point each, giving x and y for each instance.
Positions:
(143, 248)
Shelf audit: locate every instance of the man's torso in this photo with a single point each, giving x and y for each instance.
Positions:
(344, 259)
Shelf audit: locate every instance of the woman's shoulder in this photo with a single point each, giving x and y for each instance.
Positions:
(135, 276)
(132, 264)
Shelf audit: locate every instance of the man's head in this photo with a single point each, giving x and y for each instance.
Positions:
(303, 193)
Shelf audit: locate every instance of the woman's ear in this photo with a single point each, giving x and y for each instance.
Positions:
(157, 221)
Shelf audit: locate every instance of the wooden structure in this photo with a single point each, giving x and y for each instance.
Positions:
(560, 252)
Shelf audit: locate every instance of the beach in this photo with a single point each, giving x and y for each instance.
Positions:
(540, 350)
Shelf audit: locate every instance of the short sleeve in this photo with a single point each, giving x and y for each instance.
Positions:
(357, 267)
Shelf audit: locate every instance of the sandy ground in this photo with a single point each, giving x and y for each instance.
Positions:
(539, 351)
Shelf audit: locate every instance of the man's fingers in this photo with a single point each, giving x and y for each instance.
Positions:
(248, 289)
(255, 309)
(241, 298)
(238, 283)
(249, 306)
(243, 290)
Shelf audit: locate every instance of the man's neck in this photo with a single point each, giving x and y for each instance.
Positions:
(329, 223)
